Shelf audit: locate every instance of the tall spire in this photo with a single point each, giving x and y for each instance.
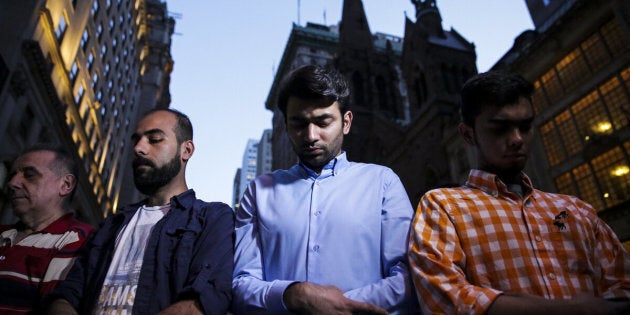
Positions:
(428, 14)
(355, 31)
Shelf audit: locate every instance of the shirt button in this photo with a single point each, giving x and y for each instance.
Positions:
(316, 248)
(317, 213)
(552, 276)
(538, 238)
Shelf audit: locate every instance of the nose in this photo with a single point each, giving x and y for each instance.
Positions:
(14, 182)
(515, 137)
(140, 148)
(312, 133)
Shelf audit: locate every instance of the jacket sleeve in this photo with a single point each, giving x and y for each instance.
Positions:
(252, 294)
(437, 263)
(210, 275)
(394, 292)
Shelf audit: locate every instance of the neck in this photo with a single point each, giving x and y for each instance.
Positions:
(164, 194)
(506, 176)
(38, 222)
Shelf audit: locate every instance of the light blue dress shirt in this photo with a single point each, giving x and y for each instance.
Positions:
(346, 227)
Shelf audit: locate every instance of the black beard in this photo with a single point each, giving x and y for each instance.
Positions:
(150, 180)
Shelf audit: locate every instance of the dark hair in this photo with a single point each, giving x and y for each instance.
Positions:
(493, 88)
(183, 129)
(63, 162)
(312, 83)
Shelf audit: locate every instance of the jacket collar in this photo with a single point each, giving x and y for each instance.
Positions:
(183, 201)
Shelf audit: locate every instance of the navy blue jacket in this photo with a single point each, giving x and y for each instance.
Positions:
(189, 256)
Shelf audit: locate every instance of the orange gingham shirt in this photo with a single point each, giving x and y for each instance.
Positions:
(469, 244)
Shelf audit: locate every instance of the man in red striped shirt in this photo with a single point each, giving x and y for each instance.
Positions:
(497, 245)
(37, 252)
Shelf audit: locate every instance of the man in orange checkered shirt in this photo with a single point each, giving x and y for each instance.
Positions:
(497, 245)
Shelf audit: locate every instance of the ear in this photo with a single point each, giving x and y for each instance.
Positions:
(467, 133)
(186, 150)
(347, 122)
(68, 182)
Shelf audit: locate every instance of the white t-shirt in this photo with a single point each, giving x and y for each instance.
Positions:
(119, 288)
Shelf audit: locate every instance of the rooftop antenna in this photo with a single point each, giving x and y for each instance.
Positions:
(325, 17)
(298, 12)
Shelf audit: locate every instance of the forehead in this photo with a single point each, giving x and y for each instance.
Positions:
(36, 159)
(521, 110)
(301, 107)
(162, 120)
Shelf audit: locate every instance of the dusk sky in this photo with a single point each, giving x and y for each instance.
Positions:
(226, 52)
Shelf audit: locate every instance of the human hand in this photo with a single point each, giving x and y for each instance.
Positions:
(309, 298)
(61, 307)
(183, 307)
(588, 304)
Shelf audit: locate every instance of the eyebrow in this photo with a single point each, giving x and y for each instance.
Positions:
(25, 169)
(150, 132)
(511, 121)
(316, 118)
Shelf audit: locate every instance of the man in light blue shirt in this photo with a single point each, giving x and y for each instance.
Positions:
(327, 235)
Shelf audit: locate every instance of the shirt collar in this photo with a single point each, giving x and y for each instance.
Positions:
(492, 185)
(334, 167)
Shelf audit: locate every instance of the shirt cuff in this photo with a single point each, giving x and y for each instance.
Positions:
(275, 295)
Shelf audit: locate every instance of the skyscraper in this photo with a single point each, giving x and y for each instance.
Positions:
(80, 73)
(247, 171)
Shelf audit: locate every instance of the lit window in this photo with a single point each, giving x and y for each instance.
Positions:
(90, 60)
(94, 7)
(74, 70)
(61, 28)
(94, 80)
(79, 95)
(84, 39)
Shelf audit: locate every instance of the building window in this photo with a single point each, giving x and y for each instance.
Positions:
(61, 27)
(552, 86)
(80, 92)
(85, 39)
(615, 38)
(90, 61)
(94, 7)
(572, 70)
(617, 101)
(74, 70)
(94, 80)
(595, 52)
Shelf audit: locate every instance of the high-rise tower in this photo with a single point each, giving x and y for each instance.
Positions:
(80, 73)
